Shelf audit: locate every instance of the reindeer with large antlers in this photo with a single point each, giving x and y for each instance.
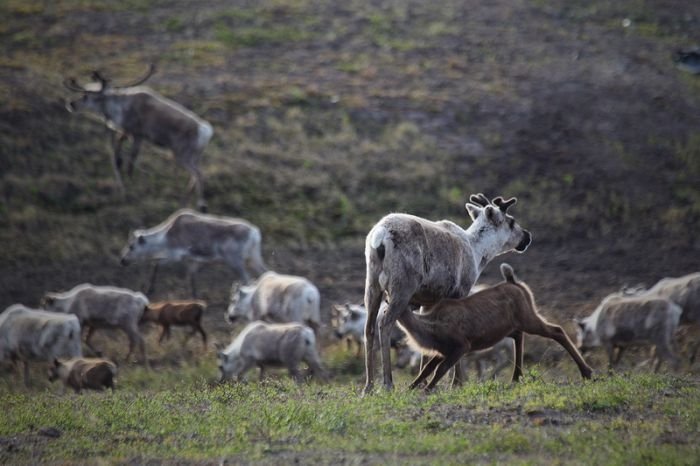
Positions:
(412, 262)
(139, 113)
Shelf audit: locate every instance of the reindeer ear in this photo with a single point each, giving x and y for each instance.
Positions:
(473, 210)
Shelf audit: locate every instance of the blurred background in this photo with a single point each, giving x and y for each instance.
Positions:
(328, 115)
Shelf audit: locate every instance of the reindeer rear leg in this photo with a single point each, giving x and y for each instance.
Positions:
(387, 320)
(373, 299)
(426, 370)
(558, 334)
(445, 366)
(519, 339)
(88, 341)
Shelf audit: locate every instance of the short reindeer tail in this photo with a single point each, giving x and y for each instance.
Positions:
(508, 273)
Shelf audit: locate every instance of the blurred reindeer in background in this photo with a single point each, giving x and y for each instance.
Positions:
(139, 113)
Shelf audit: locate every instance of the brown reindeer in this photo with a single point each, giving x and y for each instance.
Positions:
(141, 114)
(454, 327)
(179, 313)
(79, 373)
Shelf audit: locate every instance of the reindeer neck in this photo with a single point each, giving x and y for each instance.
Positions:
(484, 248)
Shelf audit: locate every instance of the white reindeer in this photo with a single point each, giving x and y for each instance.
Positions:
(414, 262)
(198, 238)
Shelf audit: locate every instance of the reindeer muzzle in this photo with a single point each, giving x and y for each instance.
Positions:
(525, 242)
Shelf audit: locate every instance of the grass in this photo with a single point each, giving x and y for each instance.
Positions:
(613, 420)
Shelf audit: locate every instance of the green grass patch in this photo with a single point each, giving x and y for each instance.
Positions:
(196, 420)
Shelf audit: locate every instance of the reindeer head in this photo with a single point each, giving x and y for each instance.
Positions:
(239, 306)
(586, 335)
(493, 224)
(136, 248)
(95, 94)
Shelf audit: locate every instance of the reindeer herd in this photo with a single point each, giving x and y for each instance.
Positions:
(420, 274)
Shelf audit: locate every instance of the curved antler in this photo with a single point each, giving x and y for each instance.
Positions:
(72, 85)
(479, 199)
(503, 204)
(97, 76)
(149, 73)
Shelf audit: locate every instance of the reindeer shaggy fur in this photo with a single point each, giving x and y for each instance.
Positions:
(413, 262)
(454, 327)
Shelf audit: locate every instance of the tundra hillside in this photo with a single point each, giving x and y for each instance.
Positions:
(326, 117)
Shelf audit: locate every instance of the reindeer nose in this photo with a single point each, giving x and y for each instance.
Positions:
(123, 261)
(525, 242)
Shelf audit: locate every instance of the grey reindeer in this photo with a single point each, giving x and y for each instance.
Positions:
(416, 262)
(139, 113)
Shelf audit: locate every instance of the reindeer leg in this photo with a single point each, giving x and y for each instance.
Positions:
(519, 353)
(444, 366)
(117, 141)
(427, 369)
(26, 373)
(387, 320)
(458, 378)
(558, 334)
(88, 341)
(132, 156)
(192, 268)
(162, 334)
(204, 335)
(373, 299)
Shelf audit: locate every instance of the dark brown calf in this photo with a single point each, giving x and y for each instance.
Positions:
(79, 373)
(179, 313)
(454, 327)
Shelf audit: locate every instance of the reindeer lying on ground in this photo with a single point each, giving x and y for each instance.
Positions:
(415, 262)
(79, 373)
(142, 114)
(177, 313)
(454, 327)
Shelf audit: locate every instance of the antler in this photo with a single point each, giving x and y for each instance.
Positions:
(504, 205)
(149, 73)
(72, 85)
(97, 76)
(479, 199)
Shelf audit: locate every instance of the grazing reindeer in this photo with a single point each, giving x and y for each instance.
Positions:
(684, 291)
(453, 327)
(414, 261)
(137, 112)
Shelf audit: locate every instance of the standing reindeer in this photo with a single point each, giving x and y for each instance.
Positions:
(416, 262)
(139, 113)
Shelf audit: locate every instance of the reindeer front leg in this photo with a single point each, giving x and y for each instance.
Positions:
(117, 141)
(132, 155)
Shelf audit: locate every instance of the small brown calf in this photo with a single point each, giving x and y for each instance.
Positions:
(180, 313)
(79, 373)
(454, 327)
